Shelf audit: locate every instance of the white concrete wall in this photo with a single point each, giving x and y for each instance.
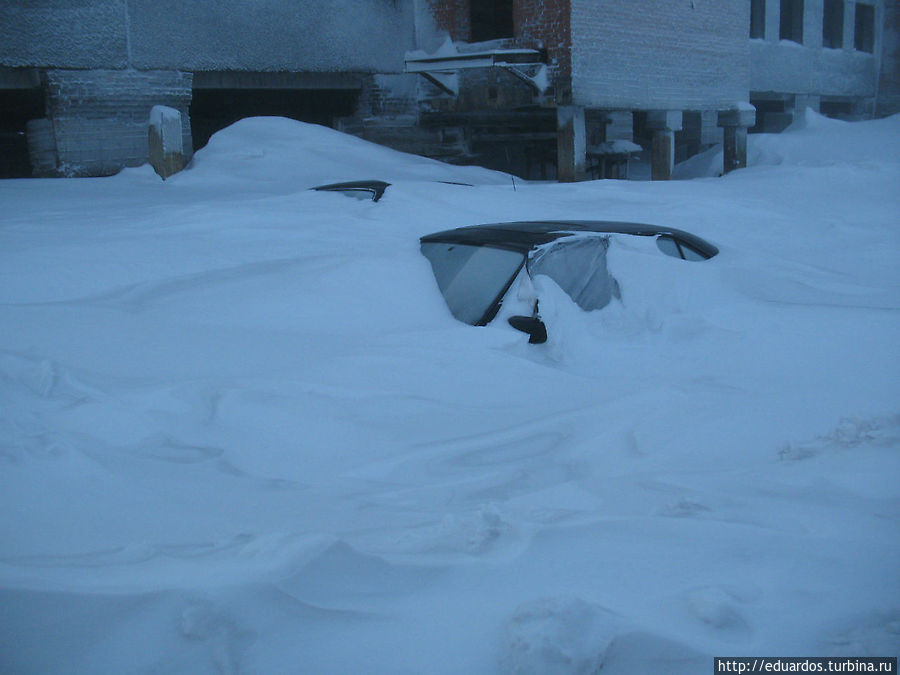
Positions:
(784, 66)
(658, 54)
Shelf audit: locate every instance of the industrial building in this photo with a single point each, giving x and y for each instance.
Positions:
(554, 89)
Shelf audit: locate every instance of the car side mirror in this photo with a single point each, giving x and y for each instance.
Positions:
(537, 331)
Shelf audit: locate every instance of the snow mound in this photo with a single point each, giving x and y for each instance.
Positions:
(812, 140)
(278, 154)
(815, 139)
(240, 430)
(557, 635)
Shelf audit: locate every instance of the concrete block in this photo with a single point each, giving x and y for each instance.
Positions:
(164, 136)
(42, 147)
(740, 115)
(571, 143)
(665, 119)
(662, 156)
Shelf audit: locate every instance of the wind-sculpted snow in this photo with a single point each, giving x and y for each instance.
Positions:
(240, 431)
(813, 140)
(278, 155)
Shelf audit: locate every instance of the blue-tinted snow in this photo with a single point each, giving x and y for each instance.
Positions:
(241, 432)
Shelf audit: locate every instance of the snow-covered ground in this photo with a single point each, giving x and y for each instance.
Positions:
(240, 431)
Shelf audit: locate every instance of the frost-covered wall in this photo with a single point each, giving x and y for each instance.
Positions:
(255, 35)
(309, 35)
(778, 65)
(100, 117)
(106, 63)
(63, 33)
(660, 54)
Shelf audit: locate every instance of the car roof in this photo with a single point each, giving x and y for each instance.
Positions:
(526, 235)
(376, 187)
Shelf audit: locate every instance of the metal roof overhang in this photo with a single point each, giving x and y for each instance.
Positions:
(484, 59)
(442, 70)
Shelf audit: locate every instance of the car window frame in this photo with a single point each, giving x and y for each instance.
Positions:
(494, 307)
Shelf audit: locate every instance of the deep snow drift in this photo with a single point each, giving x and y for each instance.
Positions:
(241, 432)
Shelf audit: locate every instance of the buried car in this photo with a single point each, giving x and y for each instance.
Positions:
(476, 266)
(360, 189)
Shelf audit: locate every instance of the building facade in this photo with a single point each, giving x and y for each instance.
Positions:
(562, 89)
(79, 77)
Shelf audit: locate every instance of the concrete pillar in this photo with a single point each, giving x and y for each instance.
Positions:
(735, 148)
(804, 101)
(735, 121)
(571, 143)
(664, 124)
(41, 148)
(165, 141)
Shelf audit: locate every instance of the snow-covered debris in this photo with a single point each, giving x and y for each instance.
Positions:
(618, 146)
(278, 155)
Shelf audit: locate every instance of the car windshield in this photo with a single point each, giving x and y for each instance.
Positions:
(472, 279)
(578, 265)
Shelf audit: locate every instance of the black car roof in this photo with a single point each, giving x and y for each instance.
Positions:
(377, 187)
(526, 235)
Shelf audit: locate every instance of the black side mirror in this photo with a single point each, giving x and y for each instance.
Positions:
(537, 331)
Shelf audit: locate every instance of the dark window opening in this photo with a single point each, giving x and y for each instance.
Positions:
(838, 109)
(17, 107)
(792, 20)
(214, 109)
(758, 19)
(771, 115)
(864, 34)
(833, 24)
(491, 19)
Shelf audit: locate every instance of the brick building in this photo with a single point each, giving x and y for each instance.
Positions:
(672, 75)
(545, 88)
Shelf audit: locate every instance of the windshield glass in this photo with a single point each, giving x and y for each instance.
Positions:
(472, 279)
(578, 265)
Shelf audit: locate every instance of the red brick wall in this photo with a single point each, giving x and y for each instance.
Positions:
(547, 24)
(453, 17)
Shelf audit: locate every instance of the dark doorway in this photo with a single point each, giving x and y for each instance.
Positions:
(772, 115)
(491, 19)
(17, 106)
(215, 109)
